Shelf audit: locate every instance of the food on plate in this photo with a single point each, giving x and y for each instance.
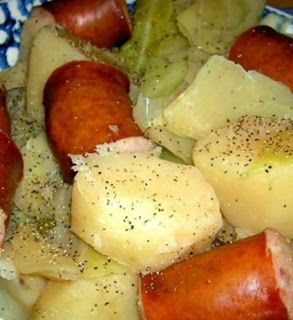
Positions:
(157, 136)
(221, 93)
(10, 308)
(213, 25)
(105, 23)
(14, 77)
(250, 165)
(86, 103)
(40, 67)
(34, 256)
(267, 51)
(4, 116)
(152, 22)
(25, 290)
(249, 279)
(42, 185)
(166, 25)
(11, 170)
(143, 211)
(110, 297)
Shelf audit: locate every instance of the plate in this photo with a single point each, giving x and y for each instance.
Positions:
(14, 12)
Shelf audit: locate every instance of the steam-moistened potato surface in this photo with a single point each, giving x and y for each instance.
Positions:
(250, 166)
(104, 23)
(143, 211)
(86, 103)
(248, 279)
(221, 93)
(112, 297)
(48, 52)
(265, 50)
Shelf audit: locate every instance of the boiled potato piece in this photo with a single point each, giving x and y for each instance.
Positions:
(96, 265)
(143, 211)
(221, 93)
(49, 51)
(250, 166)
(105, 298)
(31, 27)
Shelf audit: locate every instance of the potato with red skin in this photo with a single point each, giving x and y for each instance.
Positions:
(11, 172)
(86, 104)
(249, 279)
(4, 116)
(265, 50)
(105, 23)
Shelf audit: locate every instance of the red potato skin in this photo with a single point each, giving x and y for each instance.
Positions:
(234, 282)
(105, 23)
(4, 116)
(84, 101)
(266, 51)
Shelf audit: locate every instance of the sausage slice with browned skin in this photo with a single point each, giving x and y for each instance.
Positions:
(11, 167)
(249, 279)
(86, 104)
(265, 50)
(105, 23)
(11, 171)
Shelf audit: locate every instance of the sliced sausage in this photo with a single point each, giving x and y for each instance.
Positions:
(249, 279)
(265, 50)
(86, 104)
(11, 171)
(105, 23)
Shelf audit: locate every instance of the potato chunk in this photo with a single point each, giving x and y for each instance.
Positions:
(223, 92)
(250, 165)
(113, 297)
(143, 211)
(49, 51)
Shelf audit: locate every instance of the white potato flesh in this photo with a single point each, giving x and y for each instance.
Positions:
(106, 298)
(49, 51)
(250, 166)
(142, 211)
(223, 92)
